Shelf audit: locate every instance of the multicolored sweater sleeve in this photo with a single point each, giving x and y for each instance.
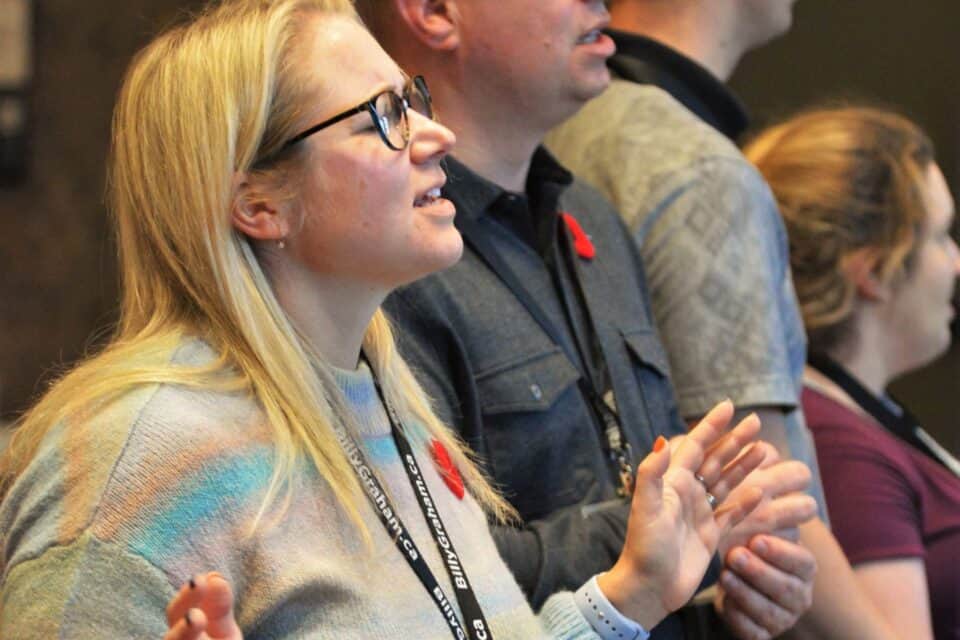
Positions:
(120, 508)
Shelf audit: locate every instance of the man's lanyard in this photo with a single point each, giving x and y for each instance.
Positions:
(476, 625)
(617, 448)
(901, 424)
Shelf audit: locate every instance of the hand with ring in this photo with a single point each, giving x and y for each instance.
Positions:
(674, 528)
(711, 499)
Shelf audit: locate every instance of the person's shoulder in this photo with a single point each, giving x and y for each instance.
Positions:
(582, 194)
(187, 414)
(828, 416)
(842, 432)
(587, 203)
(658, 116)
(105, 469)
(642, 149)
(181, 430)
(646, 118)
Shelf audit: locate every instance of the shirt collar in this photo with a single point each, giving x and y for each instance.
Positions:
(473, 194)
(531, 215)
(646, 61)
(470, 192)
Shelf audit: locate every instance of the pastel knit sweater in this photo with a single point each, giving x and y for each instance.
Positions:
(117, 511)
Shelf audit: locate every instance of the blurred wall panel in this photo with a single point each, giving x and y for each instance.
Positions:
(886, 52)
(58, 282)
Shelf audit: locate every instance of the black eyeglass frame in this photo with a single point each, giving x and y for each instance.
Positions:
(417, 83)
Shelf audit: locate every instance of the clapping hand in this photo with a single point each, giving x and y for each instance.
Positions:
(682, 505)
(767, 581)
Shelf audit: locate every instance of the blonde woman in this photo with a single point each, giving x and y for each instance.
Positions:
(274, 175)
(869, 216)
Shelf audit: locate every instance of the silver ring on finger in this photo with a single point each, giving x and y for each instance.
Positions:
(701, 480)
(711, 500)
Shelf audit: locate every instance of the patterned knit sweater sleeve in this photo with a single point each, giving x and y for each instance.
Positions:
(120, 508)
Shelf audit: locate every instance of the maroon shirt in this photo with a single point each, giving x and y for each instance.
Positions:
(888, 500)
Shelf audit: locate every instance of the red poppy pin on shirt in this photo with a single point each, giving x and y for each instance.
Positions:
(448, 472)
(581, 241)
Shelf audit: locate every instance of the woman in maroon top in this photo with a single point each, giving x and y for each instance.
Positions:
(869, 214)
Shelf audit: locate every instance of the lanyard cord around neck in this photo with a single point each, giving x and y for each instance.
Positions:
(902, 425)
(476, 625)
(617, 448)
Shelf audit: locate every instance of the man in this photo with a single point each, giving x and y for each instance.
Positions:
(658, 144)
(539, 345)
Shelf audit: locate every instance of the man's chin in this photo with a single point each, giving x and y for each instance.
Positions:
(590, 88)
(567, 106)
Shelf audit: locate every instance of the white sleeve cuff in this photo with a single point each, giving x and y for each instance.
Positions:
(609, 623)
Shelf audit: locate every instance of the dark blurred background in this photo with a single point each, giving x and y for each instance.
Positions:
(58, 288)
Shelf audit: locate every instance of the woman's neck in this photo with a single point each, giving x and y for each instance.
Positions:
(867, 366)
(824, 385)
(866, 351)
(331, 314)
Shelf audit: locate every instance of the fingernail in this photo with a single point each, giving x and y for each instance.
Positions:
(727, 581)
(186, 618)
(739, 560)
(760, 545)
(660, 443)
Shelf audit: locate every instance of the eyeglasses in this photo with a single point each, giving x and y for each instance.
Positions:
(388, 110)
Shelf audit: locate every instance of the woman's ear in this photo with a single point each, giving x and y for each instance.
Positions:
(434, 22)
(256, 214)
(862, 269)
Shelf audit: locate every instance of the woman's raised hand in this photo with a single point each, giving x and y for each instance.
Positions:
(682, 504)
(203, 610)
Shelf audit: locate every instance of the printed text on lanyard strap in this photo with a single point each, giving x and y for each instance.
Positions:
(476, 627)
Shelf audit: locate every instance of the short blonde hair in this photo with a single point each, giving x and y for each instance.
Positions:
(846, 179)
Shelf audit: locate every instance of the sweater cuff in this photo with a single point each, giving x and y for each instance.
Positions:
(609, 623)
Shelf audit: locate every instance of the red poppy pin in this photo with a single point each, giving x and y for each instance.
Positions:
(581, 241)
(448, 472)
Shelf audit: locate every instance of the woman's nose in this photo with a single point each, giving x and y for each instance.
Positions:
(429, 140)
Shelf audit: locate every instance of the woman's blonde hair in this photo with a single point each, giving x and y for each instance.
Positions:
(203, 102)
(850, 184)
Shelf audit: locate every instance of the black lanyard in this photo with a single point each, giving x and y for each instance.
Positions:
(476, 625)
(618, 449)
(903, 425)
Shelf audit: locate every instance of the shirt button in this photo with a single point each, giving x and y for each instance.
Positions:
(536, 391)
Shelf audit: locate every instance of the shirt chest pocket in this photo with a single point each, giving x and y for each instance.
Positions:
(529, 383)
(541, 448)
(644, 345)
(653, 389)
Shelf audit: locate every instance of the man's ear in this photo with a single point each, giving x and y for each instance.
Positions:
(862, 269)
(256, 214)
(436, 23)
